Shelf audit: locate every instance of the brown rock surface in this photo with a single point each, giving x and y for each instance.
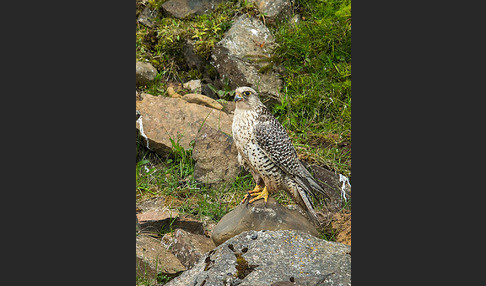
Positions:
(216, 157)
(162, 118)
(189, 247)
(153, 258)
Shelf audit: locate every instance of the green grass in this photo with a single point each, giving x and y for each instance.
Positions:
(315, 56)
(316, 106)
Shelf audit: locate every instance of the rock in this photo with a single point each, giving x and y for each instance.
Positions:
(197, 62)
(256, 216)
(267, 257)
(147, 17)
(186, 8)
(172, 93)
(193, 85)
(202, 100)
(162, 118)
(155, 203)
(331, 184)
(273, 9)
(189, 247)
(237, 57)
(153, 258)
(176, 86)
(145, 73)
(207, 91)
(154, 216)
(216, 157)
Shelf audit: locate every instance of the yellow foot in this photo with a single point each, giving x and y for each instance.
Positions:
(257, 189)
(258, 195)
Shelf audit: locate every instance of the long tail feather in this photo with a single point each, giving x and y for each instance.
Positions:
(303, 191)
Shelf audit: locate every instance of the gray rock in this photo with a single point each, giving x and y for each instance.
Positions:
(193, 85)
(145, 73)
(207, 91)
(162, 118)
(273, 9)
(153, 258)
(237, 57)
(267, 257)
(256, 216)
(147, 17)
(216, 157)
(196, 62)
(186, 8)
(189, 247)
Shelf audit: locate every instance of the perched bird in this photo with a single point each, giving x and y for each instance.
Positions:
(265, 148)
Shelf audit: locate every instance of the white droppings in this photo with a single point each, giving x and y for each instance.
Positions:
(139, 121)
(345, 180)
(254, 32)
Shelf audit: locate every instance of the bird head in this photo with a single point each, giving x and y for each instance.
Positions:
(246, 97)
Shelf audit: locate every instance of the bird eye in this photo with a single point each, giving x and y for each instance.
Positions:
(247, 93)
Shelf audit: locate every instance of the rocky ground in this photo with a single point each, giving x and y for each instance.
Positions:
(251, 245)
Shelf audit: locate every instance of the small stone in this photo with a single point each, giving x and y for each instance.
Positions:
(171, 92)
(147, 17)
(187, 8)
(273, 9)
(254, 236)
(193, 85)
(202, 100)
(145, 73)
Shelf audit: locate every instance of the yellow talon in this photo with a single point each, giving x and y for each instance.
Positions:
(258, 195)
(255, 192)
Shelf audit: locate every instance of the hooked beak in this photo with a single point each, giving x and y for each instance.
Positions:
(237, 97)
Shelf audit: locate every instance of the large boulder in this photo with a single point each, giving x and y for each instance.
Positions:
(164, 118)
(238, 56)
(216, 158)
(257, 216)
(272, 258)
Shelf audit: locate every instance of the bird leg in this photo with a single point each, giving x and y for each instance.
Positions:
(257, 190)
(258, 195)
